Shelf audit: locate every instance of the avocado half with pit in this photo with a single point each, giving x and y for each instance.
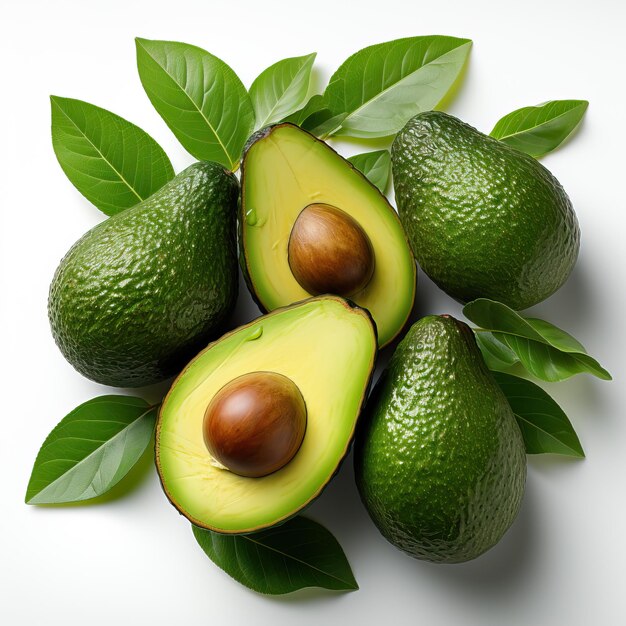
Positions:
(311, 224)
(258, 423)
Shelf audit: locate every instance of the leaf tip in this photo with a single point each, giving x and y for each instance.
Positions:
(140, 42)
(31, 497)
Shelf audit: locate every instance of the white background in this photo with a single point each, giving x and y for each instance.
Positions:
(131, 559)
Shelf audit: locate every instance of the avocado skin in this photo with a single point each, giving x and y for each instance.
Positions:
(439, 458)
(140, 293)
(484, 219)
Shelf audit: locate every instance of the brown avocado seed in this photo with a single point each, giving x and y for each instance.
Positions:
(329, 252)
(255, 424)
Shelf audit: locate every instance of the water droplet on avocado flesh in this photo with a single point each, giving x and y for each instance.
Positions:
(251, 217)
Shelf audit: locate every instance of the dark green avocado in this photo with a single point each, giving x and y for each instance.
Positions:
(483, 219)
(439, 458)
(140, 293)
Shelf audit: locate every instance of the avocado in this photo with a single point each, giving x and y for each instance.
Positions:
(312, 224)
(140, 293)
(324, 350)
(484, 220)
(439, 458)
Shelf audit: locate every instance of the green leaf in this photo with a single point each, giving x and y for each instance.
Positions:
(112, 162)
(91, 449)
(316, 118)
(297, 554)
(544, 350)
(540, 129)
(281, 89)
(375, 165)
(497, 356)
(323, 123)
(544, 425)
(200, 98)
(315, 104)
(381, 87)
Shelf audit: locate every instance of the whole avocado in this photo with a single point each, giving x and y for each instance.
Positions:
(483, 219)
(439, 459)
(141, 292)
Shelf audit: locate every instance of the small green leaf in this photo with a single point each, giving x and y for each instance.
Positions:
(544, 425)
(544, 350)
(540, 129)
(281, 89)
(91, 449)
(375, 165)
(323, 123)
(316, 118)
(497, 356)
(379, 88)
(315, 104)
(297, 554)
(200, 98)
(112, 162)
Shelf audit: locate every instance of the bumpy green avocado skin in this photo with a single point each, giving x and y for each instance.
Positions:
(483, 219)
(140, 293)
(439, 460)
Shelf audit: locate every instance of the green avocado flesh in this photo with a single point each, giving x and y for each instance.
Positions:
(324, 345)
(284, 170)
(484, 220)
(439, 458)
(143, 291)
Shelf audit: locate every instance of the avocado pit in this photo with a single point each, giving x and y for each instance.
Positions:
(329, 252)
(255, 424)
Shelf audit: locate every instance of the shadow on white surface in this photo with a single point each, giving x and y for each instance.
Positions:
(573, 306)
(502, 569)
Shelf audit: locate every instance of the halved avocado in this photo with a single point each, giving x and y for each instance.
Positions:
(284, 171)
(325, 346)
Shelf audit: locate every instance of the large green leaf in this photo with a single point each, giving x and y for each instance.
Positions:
(112, 162)
(200, 98)
(281, 89)
(381, 87)
(375, 165)
(297, 554)
(544, 350)
(544, 425)
(91, 449)
(540, 129)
